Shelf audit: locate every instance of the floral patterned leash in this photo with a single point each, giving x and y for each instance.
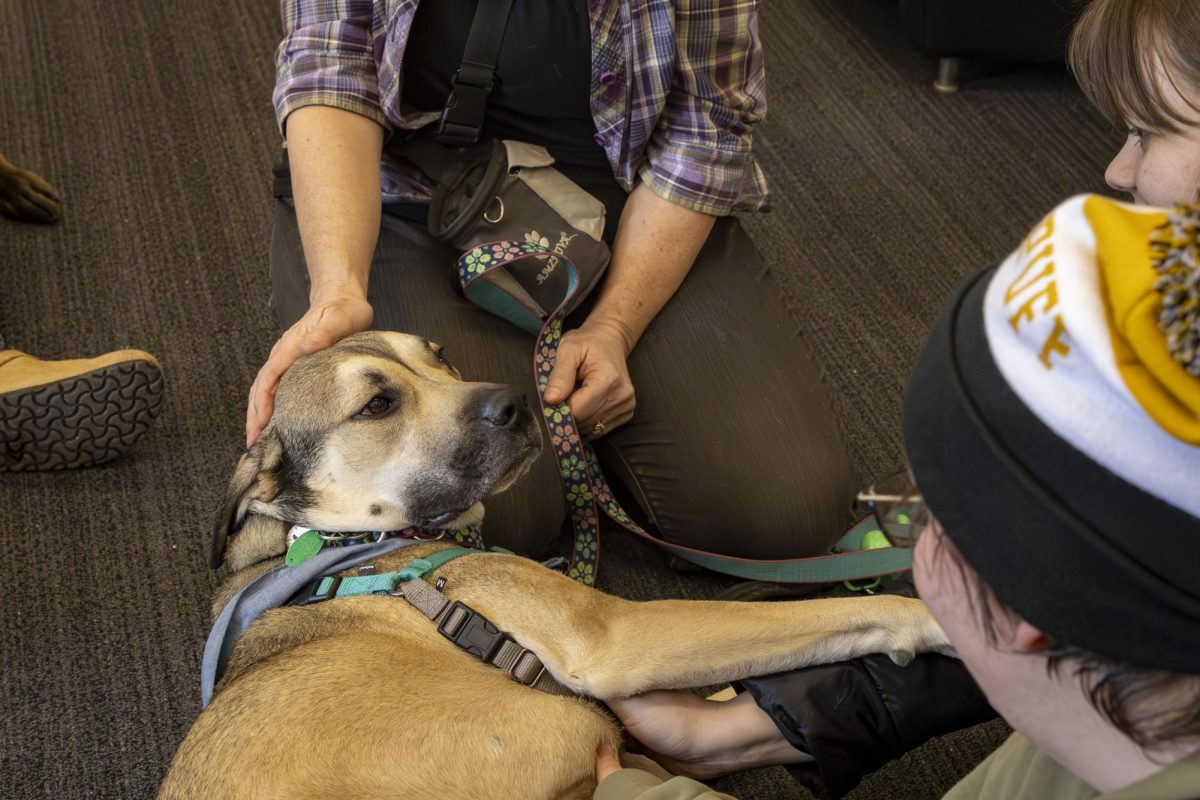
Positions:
(583, 483)
(863, 552)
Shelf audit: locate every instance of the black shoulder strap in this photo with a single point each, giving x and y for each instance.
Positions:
(462, 118)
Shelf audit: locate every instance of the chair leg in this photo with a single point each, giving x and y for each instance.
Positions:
(947, 77)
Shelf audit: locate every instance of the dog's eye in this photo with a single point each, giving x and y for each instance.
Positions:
(375, 406)
(439, 353)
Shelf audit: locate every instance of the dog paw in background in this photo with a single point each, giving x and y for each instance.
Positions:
(25, 196)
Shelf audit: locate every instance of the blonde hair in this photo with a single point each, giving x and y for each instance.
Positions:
(1121, 51)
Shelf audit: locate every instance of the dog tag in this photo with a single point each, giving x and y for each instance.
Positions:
(307, 545)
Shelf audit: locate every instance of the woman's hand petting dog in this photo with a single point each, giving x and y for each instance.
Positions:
(331, 316)
(25, 196)
(593, 358)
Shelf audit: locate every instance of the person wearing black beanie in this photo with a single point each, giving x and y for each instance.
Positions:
(1136, 62)
(1052, 426)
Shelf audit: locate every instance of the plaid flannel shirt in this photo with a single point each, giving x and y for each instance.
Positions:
(677, 87)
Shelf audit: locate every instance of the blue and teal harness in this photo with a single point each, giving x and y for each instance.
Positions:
(313, 579)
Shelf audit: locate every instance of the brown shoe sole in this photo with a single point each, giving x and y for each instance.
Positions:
(81, 420)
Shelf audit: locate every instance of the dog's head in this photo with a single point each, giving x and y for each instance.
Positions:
(378, 432)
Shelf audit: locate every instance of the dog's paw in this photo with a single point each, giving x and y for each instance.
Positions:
(933, 638)
(947, 650)
(921, 634)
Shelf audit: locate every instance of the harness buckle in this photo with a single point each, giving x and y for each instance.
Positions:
(462, 116)
(313, 592)
(474, 634)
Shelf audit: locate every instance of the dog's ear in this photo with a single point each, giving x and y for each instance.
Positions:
(253, 479)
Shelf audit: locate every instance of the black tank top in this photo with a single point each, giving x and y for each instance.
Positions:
(543, 73)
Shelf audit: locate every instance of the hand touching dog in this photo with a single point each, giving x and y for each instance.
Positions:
(330, 318)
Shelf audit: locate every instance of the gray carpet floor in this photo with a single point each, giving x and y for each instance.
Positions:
(154, 121)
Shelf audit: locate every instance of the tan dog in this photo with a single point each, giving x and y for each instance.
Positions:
(361, 697)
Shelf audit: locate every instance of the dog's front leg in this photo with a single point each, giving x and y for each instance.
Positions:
(677, 644)
(607, 647)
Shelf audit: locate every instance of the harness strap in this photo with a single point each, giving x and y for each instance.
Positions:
(476, 634)
(463, 116)
(426, 599)
(275, 588)
(464, 626)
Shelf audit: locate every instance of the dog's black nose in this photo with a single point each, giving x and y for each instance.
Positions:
(504, 408)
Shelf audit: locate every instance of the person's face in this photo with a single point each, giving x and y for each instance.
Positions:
(1160, 168)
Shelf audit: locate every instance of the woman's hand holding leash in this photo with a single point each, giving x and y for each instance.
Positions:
(656, 244)
(593, 358)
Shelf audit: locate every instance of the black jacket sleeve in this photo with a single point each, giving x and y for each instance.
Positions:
(855, 716)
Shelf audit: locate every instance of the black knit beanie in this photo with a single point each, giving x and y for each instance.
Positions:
(1052, 423)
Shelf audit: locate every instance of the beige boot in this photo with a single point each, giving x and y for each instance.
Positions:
(67, 414)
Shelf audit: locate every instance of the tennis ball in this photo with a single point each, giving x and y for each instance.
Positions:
(873, 540)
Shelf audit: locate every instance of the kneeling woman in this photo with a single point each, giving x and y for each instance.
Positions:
(652, 110)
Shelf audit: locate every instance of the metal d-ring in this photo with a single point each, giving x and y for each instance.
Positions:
(420, 538)
(499, 200)
(345, 537)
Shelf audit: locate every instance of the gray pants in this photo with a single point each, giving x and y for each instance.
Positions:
(733, 448)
